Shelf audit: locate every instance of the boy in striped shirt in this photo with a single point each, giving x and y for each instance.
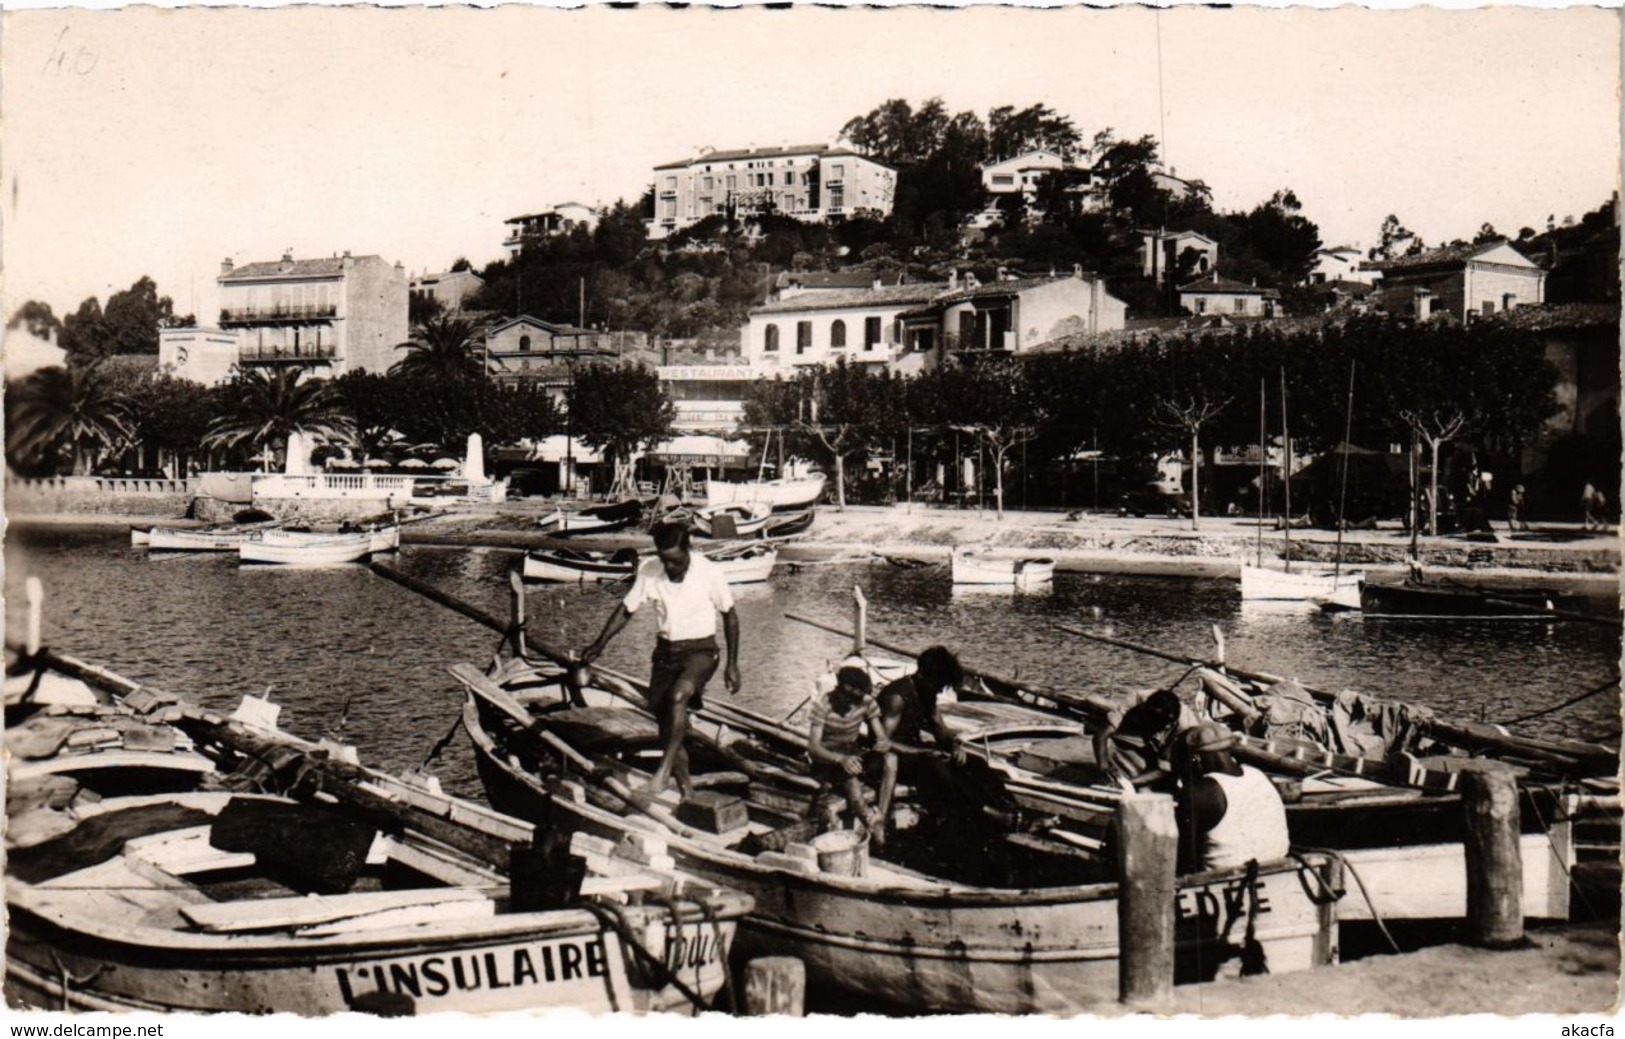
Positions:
(843, 755)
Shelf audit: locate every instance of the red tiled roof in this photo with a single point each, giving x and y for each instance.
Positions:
(998, 288)
(888, 295)
(849, 279)
(743, 154)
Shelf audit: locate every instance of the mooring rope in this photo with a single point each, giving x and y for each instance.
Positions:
(1612, 682)
(1348, 867)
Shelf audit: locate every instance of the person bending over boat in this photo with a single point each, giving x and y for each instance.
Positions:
(938, 770)
(688, 591)
(1134, 745)
(842, 756)
(1229, 813)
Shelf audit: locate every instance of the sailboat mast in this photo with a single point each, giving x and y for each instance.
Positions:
(1263, 464)
(1343, 492)
(1286, 478)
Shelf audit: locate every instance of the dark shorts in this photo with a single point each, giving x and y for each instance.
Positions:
(693, 659)
(874, 764)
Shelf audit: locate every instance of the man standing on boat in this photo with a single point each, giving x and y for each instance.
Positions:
(688, 591)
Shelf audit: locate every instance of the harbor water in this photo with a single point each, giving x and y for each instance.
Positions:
(345, 652)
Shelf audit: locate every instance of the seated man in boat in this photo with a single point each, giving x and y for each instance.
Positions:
(1229, 813)
(1134, 745)
(843, 755)
(688, 591)
(928, 759)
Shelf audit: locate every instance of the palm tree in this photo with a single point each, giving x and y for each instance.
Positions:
(74, 408)
(441, 346)
(259, 410)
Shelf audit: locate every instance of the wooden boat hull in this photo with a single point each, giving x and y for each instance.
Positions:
(1414, 602)
(140, 536)
(972, 568)
(161, 540)
(788, 524)
(781, 495)
(576, 567)
(307, 551)
(1259, 584)
(950, 947)
(124, 951)
(752, 567)
(749, 519)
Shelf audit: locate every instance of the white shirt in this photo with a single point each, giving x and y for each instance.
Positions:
(686, 610)
(1254, 823)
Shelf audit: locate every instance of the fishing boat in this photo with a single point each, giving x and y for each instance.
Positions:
(330, 887)
(1317, 584)
(574, 566)
(742, 520)
(789, 494)
(232, 902)
(1437, 601)
(1010, 923)
(210, 539)
(306, 549)
(601, 519)
(745, 565)
(788, 524)
(385, 538)
(977, 567)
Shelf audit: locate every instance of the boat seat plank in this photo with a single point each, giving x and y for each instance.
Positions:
(183, 852)
(430, 864)
(123, 892)
(404, 916)
(310, 910)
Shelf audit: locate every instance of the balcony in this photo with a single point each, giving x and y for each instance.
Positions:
(1003, 343)
(278, 314)
(305, 353)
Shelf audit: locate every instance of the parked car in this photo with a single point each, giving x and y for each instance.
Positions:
(1155, 499)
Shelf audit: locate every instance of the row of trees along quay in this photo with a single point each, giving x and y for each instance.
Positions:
(1482, 387)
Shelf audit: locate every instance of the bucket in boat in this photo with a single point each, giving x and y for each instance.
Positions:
(842, 852)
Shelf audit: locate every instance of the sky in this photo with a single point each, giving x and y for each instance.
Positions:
(159, 142)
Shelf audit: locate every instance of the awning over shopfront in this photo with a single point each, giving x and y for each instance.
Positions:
(695, 449)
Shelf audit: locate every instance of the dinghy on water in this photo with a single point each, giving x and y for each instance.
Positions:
(977, 567)
(289, 549)
(571, 566)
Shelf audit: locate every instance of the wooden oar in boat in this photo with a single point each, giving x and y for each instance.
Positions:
(1009, 685)
(1470, 734)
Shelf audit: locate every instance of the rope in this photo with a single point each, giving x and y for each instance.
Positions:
(1612, 683)
(716, 931)
(1348, 867)
(659, 973)
(1568, 875)
(68, 976)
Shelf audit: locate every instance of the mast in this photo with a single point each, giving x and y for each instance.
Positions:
(1263, 464)
(1343, 492)
(1286, 478)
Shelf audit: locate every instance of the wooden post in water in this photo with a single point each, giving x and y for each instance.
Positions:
(34, 592)
(775, 985)
(860, 621)
(1147, 854)
(1494, 862)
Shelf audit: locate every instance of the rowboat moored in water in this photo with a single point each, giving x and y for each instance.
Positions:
(897, 926)
(973, 567)
(216, 539)
(571, 566)
(307, 549)
(1261, 584)
(1446, 602)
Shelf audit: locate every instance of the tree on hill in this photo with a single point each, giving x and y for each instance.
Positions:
(1012, 132)
(37, 318)
(128, 324)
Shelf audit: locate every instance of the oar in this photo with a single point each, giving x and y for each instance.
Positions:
(1083, 701)
(1562, 751)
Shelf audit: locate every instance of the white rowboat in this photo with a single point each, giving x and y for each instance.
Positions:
(797, 492)
(977, 568)
(307, 550)
(1259, 584)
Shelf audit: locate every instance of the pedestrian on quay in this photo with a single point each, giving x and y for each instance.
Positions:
(1515, 510)
(1593, 508)
(843, 754)
(688, 592)
(1229, 813)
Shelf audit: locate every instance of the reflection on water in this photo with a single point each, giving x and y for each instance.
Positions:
(201, 626)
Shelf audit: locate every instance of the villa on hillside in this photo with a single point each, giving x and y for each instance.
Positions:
(1162, 251)
(561, 219)
(810, 183)
(1463, 281)
(909, 328)
(1216, 295)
